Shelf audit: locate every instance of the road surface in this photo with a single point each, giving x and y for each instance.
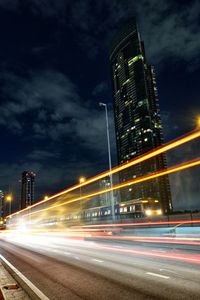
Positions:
(78, 269)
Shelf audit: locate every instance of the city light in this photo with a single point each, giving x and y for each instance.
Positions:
(9, 198)
(148, 212)
(82, 179)
(162, 149)
(171, 170)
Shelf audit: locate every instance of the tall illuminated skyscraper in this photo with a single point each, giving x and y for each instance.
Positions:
(27, 189)
(137, 115)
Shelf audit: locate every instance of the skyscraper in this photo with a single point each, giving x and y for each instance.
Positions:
(27, 189)
(137, 115)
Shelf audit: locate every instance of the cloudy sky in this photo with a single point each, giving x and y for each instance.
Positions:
(54, 70)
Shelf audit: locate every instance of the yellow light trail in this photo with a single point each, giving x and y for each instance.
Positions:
(166, 147)
(174, 169)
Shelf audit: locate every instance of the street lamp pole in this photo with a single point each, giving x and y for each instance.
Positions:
(9, 199)
(81, 180)
(109, 160)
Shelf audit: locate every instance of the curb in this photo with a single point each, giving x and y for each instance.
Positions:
(33, 292)
(2, 296)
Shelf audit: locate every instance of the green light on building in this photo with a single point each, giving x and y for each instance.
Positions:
(134, 59)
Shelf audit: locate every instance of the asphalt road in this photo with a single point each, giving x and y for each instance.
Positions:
(78, 269)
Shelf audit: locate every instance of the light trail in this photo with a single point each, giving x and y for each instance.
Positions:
(49, 243)
(147, 239)
(182, 222)
(189, 258)
(177, 168)
(166, 147)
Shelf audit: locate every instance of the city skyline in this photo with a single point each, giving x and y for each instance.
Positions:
(49, 94)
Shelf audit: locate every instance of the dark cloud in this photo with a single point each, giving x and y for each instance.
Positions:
(178, 122)
(41, 155)
(9, 4)
(100, 88)
(170, 29)
(57, 108)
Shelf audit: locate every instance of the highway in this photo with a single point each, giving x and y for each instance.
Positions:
(74, 269)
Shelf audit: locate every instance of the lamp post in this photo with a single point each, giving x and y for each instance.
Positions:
(109, 160)
(81, 180)
(9, 199)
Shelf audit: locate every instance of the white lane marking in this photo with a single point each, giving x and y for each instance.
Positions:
(28, 283)
(97, 260)
(157, 275)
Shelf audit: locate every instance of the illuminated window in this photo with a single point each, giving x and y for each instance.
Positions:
(134, 59)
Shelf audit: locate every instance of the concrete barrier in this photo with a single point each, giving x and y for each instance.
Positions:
(33, 292)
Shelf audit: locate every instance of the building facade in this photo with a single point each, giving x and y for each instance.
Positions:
(27, 189)
(137, 115)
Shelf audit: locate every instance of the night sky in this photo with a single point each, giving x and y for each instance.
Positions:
(54, 70)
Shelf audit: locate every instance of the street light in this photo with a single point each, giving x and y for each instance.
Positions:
(9, 199)
(109, 160)
(81, 180)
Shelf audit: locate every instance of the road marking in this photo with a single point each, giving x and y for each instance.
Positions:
(157, 275)
(97, 260)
